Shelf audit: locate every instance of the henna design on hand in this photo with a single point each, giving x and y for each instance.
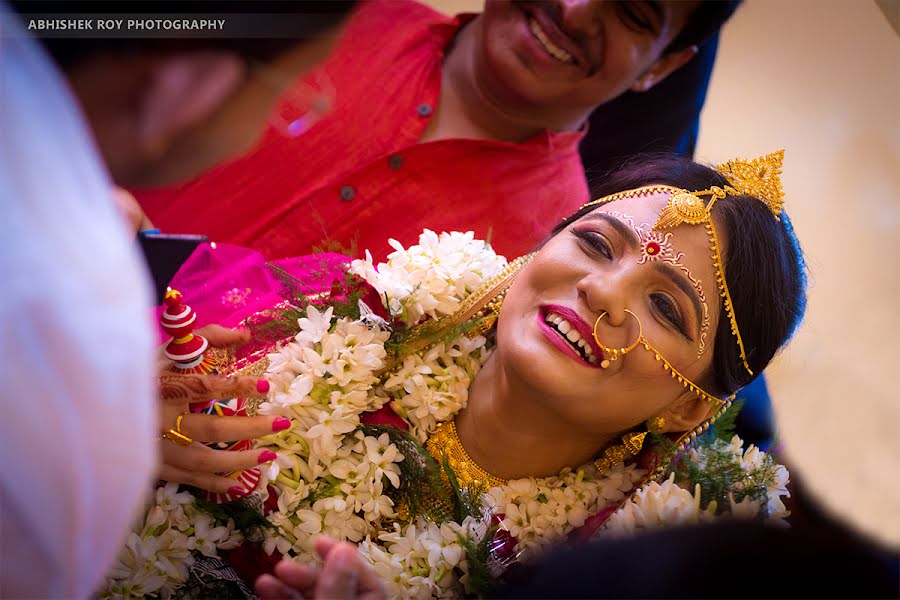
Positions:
(184, 387)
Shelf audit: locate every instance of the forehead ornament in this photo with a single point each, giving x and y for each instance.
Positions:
(685, 207)
(655, 247)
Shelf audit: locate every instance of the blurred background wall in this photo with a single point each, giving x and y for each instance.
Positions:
(821, 79)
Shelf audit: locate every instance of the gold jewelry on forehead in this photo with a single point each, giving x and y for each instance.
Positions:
(655, 246)
(760, 178)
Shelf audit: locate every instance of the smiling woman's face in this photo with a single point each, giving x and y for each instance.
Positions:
(608, 261)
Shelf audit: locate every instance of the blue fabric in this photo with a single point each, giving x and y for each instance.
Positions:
(756, 421)
(664, 119)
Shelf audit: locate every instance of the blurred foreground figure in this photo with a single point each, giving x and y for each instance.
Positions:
(710, 561)
(77, 378)
(814, 559)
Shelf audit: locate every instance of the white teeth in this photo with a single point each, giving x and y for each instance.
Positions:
(554, 50)
(572, 335)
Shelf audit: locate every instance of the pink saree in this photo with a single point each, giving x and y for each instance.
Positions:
(225, 284)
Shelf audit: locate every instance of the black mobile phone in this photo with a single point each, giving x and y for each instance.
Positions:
(164, 254)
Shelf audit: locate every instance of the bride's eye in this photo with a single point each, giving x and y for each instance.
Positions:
(667, 308)
(596, 241)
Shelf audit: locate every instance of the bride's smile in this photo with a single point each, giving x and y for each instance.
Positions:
(558, 384)
(568, 332)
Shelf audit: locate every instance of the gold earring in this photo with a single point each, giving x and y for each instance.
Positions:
(655, 425)
(632, 442)
(614, 353)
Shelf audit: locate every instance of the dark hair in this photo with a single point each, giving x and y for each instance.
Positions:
(703, 23)
(764, 266)
(256, 31)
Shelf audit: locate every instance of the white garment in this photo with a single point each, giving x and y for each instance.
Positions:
(76, 342)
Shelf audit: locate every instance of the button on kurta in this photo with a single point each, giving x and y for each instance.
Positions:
(424, 110)
(347, 193)
(395, 161)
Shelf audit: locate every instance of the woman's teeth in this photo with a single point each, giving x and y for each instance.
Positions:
(571, 335)
(551, 48)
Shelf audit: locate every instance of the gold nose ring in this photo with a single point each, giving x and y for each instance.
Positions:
(614, 353)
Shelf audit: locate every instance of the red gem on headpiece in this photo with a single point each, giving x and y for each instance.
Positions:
(652, 248)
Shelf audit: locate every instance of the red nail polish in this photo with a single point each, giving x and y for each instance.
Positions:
(267, 456)
(281, 423)
(236, 491)
(262, 386)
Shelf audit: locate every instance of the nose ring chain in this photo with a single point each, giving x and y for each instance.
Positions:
(614, 353)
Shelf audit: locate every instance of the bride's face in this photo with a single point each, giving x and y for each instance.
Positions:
(611, 260)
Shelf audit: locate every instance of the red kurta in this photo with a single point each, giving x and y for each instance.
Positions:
(359, 174)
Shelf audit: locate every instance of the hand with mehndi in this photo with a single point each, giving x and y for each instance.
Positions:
(194, 463)
(343, 575)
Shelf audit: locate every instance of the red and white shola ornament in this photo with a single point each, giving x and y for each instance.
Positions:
(188, 352)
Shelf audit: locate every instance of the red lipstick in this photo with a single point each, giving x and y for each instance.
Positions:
(578, 324)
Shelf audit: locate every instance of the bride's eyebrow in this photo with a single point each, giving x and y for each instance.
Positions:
(621, 228)
(685, 286)
(628, 232)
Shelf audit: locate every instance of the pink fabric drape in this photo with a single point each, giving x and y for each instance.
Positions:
(225, 284)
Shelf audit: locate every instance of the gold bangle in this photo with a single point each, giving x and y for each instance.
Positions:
(176, 436)
(178, 422)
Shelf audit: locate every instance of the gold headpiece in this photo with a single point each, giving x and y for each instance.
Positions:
(759, 178)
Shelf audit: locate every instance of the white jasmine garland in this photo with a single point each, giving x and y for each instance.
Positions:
(331, 478)
(429, 388)
(158, 553)
(667, 504)
(419, 560)
(542, 511)
(656, 505)
(431, 277)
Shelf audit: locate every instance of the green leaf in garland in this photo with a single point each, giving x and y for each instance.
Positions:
(725, 426)
(482, 579)
(281, 322)
(468, 500)
(421, 484)
(327, 487)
